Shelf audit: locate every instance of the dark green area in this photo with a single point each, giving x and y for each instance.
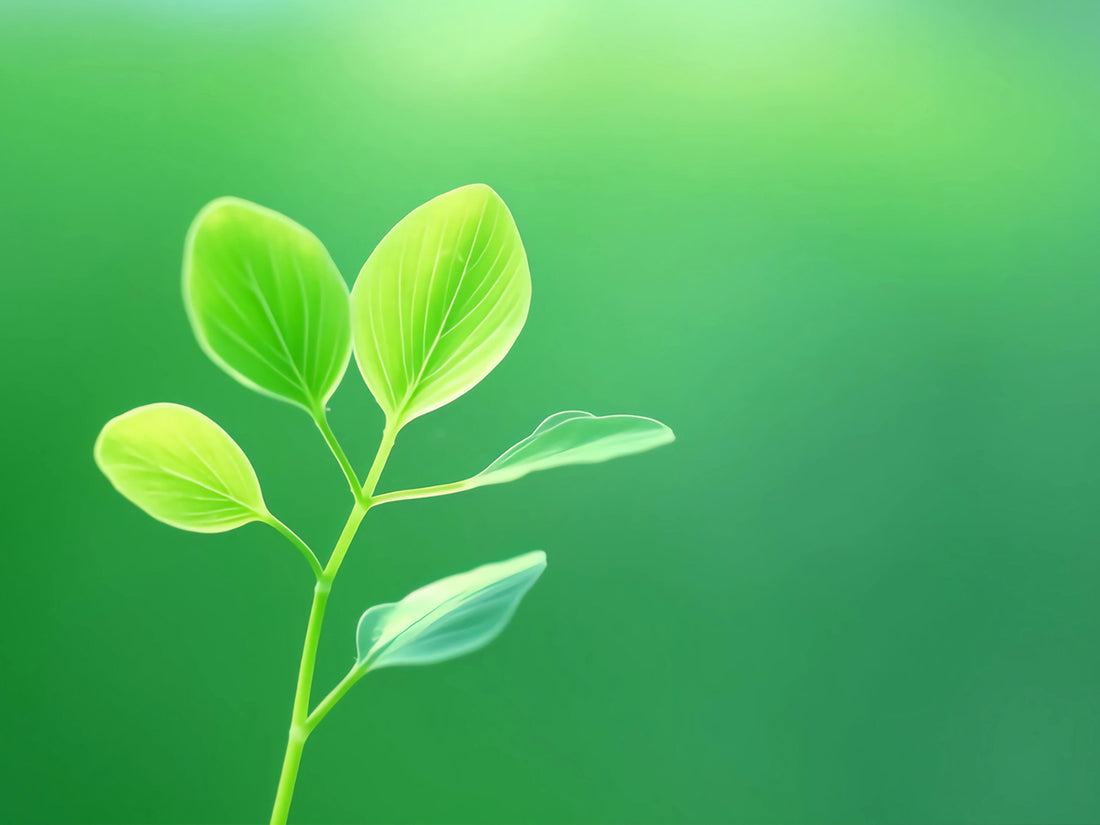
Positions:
(848, 252)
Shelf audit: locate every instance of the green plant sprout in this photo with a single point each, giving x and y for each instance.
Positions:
(437, 305)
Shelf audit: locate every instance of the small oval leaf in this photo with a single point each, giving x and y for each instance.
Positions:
(181, 468)
(448, 618)
(575, 437)
(266, 302)
(440, 302)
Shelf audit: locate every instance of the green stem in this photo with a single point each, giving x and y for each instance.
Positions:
(298, 732)
(389, 435)
(292, 537)
(320, 418)
(337, 693)
(423, 492)
(291, 762)
(300, 725)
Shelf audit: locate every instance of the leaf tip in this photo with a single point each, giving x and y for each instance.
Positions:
(204, 214)
(483, 188)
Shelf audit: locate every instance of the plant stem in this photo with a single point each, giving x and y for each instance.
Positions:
(422, 492)
(389, 435)
(298, 733)
(292, 537)
(300, 726)
(298, 730)
(337, 557)
(337, 693)
(320, 418)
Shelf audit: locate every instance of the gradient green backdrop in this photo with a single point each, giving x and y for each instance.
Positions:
(848, 250)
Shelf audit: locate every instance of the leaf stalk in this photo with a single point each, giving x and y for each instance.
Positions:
(293, 538)
(334, 696)
(423, 492)
(320, 418)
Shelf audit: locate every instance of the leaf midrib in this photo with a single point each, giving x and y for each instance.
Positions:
(462, 596)
(411, 388)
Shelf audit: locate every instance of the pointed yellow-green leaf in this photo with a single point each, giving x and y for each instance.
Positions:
(448, 618)
(181, 468)
(575, 437)
(440, 302)
(266, 302)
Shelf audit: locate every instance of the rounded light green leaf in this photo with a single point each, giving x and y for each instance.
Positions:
(440, 302)
(266, 302)
(448, 618)
(181, 468)
(575, 437)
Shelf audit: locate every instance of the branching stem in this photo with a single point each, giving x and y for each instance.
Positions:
(302, 722)
(335, 695)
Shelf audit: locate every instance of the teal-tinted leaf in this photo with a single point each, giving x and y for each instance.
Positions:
(181, 468)
(266, 302)
(575, 438)
(448, 618)
(439, 302)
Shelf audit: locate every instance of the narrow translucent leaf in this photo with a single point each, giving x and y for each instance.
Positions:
(448, 618)
(440, 302)
(181, 468)
(575, 438)
(266, 302)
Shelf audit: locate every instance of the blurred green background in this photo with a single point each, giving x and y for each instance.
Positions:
(849, 251)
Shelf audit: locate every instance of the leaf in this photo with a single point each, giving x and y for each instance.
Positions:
(448, 618)
(574, 438)
(266, 302)
(181, 468)
(440, 302)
